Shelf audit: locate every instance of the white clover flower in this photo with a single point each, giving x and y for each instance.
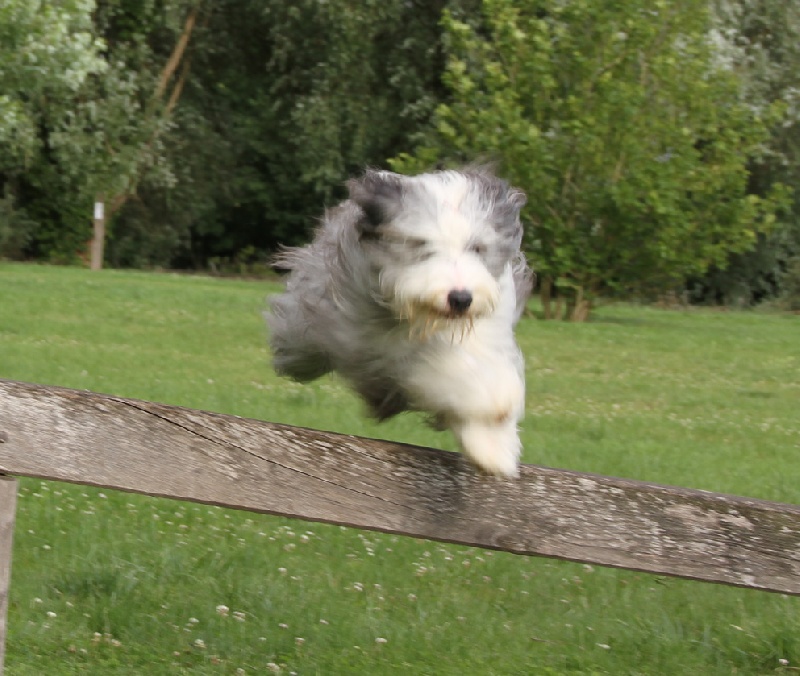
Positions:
(223, 610)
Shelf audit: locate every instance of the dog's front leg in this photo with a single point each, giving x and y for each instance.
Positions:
(480, 395)
(493, 446)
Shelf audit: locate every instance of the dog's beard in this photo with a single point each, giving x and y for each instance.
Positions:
(426, 321)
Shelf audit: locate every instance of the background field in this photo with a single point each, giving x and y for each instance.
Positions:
(111, 583)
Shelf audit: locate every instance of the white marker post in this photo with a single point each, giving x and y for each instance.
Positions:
(99, 235)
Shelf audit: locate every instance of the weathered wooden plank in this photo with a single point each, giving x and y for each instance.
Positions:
(168, 451)
(8, 506)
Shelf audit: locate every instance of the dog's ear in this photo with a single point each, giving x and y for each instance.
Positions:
(380, 196)
(511, 202)
(504, 202)
(506, 214)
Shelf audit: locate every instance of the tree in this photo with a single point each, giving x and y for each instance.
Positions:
(49, 51)
(283, 101)
(112, 137)
(296, 97)
(758, 41)
(89, 91)
(630, 142)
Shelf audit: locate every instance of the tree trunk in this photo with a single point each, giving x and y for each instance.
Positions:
(97, 248)
(581, 311)
(546, 296)
(177, 54)
(581, 306)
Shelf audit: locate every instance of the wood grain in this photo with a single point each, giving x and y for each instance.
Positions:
(150, 448)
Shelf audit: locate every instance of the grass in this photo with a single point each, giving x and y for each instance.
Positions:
(112, 583)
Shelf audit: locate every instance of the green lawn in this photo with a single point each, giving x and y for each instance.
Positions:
(113, 583)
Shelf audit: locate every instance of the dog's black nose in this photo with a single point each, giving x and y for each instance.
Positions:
(459, 300)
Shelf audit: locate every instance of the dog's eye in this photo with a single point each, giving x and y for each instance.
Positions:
(477, 248)
(415, 244)
(420, 247)
(369, 236)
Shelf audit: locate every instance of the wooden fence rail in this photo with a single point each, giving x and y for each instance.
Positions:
(99, 440)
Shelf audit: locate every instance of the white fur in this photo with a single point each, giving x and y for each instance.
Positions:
(371, 299)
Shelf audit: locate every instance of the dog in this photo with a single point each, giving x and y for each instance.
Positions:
(410, 290)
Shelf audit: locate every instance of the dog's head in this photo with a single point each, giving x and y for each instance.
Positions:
(439, 243)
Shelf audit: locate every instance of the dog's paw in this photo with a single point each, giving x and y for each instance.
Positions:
(495, 449)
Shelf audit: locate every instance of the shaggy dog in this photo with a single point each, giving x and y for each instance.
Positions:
(410, 290)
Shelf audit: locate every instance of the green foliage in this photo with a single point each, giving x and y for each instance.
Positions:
(758, 275)
(62, 227)
(16, 228)
(630, 143)
(629, 127)
(758, 40)
(790, 295)
(103, 143)
(294, 98)
(49, 50)
(284, 102)
(78, 117)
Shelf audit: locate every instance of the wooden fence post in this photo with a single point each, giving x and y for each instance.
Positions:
(8, 502)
